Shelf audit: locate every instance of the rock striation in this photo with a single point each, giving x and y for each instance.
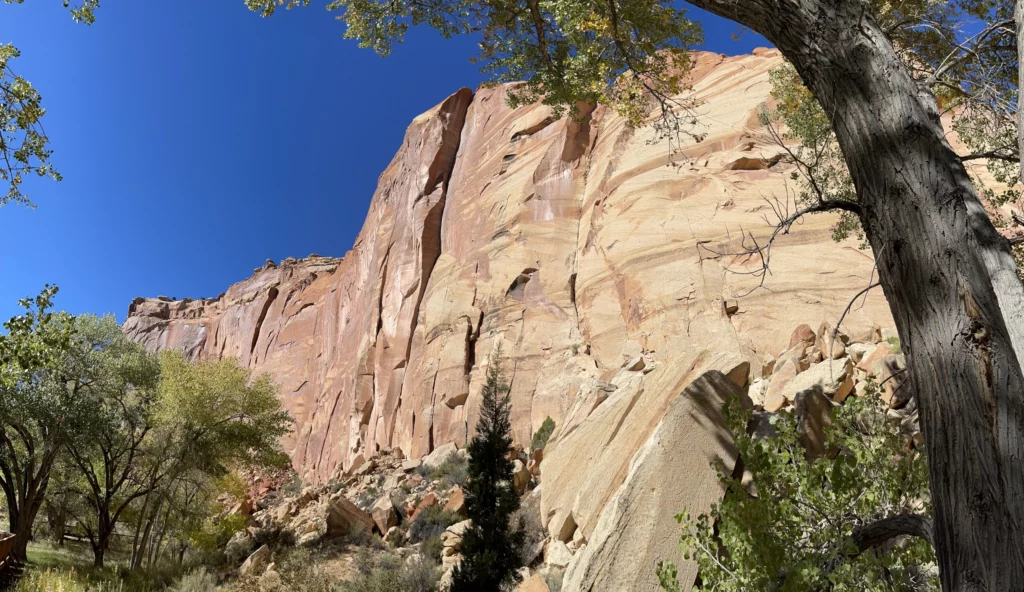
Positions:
(605, 269)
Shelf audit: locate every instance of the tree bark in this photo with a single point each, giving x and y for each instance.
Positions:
(949, 277)
(1018, 18)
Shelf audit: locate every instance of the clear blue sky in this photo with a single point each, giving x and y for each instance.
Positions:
(197, 140)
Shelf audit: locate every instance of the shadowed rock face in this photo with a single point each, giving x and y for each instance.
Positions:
(603, 274)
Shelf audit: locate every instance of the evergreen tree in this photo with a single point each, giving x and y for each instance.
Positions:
(490, 547)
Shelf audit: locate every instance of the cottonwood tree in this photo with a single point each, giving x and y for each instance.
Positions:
(45, 367)
(110, 455)
(211, 417)
(25, 149)
(949, 276)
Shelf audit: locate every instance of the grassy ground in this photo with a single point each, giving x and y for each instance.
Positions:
(69, 569)
(42, 555)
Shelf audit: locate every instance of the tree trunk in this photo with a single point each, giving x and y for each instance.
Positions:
(1018, 18)
(104, 529)
(22, 534)
(949, 277)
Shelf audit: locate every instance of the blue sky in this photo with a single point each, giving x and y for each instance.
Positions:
(197, 140)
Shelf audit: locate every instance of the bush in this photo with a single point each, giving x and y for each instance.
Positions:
(367, 498)
(452, 471)
(274, 537)
(196, 581)
(431, 548)
(296, 570)
(431, 522)
(798, 532)
(388, 573)
(543, 434)
(527, 518)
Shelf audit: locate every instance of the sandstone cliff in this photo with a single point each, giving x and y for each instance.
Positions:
(595, 266)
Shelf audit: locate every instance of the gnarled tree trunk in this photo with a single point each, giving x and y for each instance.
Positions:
(949, 277)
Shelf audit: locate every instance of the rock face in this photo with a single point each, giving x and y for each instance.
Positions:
(605, 275)
(634, 530)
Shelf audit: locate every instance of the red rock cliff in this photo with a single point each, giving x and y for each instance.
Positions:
(574, 247)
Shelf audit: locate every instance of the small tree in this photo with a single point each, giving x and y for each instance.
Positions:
(833, 523)
(490, 546)
(543, 434)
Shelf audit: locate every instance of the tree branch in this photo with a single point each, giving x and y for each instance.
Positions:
(877, 533)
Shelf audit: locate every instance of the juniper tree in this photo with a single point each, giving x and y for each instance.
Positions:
(490, 547)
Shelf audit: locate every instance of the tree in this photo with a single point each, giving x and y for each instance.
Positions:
(24, 146)
(110, 455)
(490, 546)
(815, 523)
(949, 277)
(161, 431)
(41, 406)
(210, 418)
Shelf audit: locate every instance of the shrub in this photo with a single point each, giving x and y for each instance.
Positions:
(452, 471)
(196, 581)
(388, 573)
(543, 434)
(431, 548)
(798, 533)
(527, 518)
(431, 522)
(367, 498)
(274, 537)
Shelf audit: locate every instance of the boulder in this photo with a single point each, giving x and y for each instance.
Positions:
(456, 501)
(813, 415)
(557, 554)
(777, 394)
(451, 538)
(832, 378)
(428, 500)
(534, 583)
(520, 476)
(384, 514)
(411, 464)
(633, 532)
(343, 517)
(438, 456)
(256, 562)
(802, 335)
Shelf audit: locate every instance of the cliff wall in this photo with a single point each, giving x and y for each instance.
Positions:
(604, 273)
